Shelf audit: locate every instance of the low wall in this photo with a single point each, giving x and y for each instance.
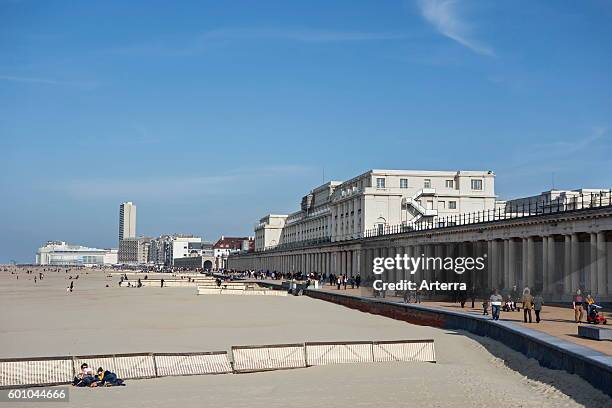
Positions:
(550, 351)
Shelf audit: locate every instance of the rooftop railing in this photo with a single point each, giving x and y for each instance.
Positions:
(521, 209)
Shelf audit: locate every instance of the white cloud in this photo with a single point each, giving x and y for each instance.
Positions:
(226, 184)
(443, 15)
(203, 41)
(45, 81)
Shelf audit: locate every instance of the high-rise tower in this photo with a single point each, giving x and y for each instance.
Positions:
(127, 220)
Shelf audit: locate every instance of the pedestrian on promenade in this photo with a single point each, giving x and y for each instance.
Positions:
(339, 282)
(496, 301)
(577, 302)
(344, 281)
(538, 302)
(358, 281)
(485, 307)
(527, 304)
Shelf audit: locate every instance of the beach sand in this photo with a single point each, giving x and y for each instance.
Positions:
(43, 319)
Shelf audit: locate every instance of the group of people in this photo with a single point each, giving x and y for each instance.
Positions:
(101, 378)
(581, 304)
(342, 281)
(530, 302)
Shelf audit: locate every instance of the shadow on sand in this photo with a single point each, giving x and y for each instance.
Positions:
(587, 396)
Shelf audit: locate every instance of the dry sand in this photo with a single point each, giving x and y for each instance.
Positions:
(43, 319)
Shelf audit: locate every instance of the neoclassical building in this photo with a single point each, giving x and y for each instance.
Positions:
(374, 200)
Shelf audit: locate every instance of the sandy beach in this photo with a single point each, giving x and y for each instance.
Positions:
(43, 319)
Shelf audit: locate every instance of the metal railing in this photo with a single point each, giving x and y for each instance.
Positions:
(564, 203)
(527, 208)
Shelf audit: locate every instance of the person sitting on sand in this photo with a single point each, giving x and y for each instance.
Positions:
(85, 378)
(108, 378)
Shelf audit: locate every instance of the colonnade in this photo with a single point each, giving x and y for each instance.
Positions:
(339, 262)
(555, 257)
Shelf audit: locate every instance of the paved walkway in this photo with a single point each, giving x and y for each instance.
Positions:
(556, 321)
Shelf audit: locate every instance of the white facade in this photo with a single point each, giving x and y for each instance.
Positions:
(127, 220)
(377, 199)
(180, 247)
(61, 253)
(268, 231)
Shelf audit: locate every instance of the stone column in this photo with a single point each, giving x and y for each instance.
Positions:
(392, 273)
(567, 264)
(491, 261)
(601, 264)
(552, 266)
(524, 261)
(349, 263)
(530, 263)
(592, 283)
(575, 263)
(545, 271)
(507, 264)
(511, 263)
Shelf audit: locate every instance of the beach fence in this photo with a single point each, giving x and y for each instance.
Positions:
(268, 357)
(46, 371)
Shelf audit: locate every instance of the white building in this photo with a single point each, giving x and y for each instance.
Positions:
(230, 245)
(375, 200)
(61, 253)
(182, 246)
(268, 231)
(127, 220)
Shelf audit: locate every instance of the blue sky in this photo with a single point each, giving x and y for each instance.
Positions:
(210, 114)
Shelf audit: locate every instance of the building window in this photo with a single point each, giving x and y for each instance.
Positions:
(427, 183)
(380, 182)
(452, 205)
(477, 184)
(442, 204)
(404, 183)
(450, 183)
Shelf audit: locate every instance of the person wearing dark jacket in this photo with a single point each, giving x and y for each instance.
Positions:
(108, 378)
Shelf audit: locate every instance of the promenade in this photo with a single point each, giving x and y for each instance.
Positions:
(556, 321)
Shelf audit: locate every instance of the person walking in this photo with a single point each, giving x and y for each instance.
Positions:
(496, 301)
(538, 302)
(577, 302)
(358, 281)
(527, 304)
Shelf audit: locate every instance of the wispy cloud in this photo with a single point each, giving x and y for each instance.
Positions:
(554, 156)
(46, 81)
(303, 35)
(182, 185)
(199, 43)
(443, 15)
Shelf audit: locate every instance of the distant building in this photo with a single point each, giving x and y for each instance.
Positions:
(181, 246)
(555, 200)
(127, 220)
(229, 245)
(61, 253)
(134, 250)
